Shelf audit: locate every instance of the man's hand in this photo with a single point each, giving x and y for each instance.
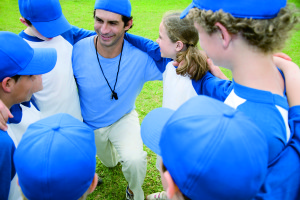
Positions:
(4, 115)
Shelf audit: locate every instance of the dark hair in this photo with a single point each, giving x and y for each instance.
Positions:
(28, 22)
(124, 19)
(164, 169)
(16, 77)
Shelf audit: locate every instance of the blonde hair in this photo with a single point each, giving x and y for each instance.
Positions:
(183, 30)
(268, 35)
(83, 197)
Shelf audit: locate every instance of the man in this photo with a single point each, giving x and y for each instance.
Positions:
(20, 76)
(110, 73)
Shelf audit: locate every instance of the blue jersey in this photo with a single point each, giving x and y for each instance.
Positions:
(283, 178)
(7, 169)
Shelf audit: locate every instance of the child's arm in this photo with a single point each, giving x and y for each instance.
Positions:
(150, 47)
(215, 70)
(4, 115)
(292, 79)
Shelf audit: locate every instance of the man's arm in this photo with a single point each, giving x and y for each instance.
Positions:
(76, 34)
(150, 47)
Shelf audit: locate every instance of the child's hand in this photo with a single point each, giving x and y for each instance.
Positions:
(4, 115)
(282, 55)
(215, 70)
(292, 79)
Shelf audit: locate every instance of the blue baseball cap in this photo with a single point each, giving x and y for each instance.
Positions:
(211, 150)
(46, 16)
(255, 9)
(56, 159)
(18, 58)
(121, 7)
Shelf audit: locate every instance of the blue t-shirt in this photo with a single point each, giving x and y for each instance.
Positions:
(97, 108)
(283, 178)
(7, 168)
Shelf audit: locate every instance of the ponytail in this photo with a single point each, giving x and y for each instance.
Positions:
(195, 63)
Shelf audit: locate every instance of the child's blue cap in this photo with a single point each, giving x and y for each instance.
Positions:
(46, 16)
(255, 9)
(56, 159)
(211, 150)
(18, 58)
(121, 7)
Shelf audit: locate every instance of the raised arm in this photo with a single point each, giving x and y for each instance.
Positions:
(291, 73)
(150, 47)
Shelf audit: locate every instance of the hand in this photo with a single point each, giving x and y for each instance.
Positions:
(215, 70)
(4, 115)
(282, 55)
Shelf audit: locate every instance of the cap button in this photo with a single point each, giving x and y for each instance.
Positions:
(55, 127)
(229, 113)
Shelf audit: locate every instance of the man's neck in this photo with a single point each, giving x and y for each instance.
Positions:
(108, 51)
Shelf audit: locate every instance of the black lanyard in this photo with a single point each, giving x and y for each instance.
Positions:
(114, 95)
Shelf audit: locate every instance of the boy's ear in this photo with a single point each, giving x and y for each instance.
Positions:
(128, 25)
(22, 20)
(172, 187)
(179, 46)
(7, 84)
(94, 184)
(226, 37)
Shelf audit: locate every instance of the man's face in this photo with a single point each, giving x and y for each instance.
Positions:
(26, 86)
(109, 27)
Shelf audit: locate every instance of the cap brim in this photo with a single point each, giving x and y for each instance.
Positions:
(152, 126)
(53, 28)
(187, 10)
(43, 61)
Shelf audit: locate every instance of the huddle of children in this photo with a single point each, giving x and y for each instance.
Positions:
(243, 143)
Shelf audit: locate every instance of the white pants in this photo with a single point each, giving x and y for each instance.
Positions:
(122, 142)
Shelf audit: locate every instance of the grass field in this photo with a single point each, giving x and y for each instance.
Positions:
(147, 15)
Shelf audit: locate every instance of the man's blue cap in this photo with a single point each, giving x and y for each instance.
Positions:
(46, 16)
(56, 159)
(121, 7)
(255, 9)
(211, 150)
(18, 58)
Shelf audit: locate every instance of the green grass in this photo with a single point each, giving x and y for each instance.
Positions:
(147, 15)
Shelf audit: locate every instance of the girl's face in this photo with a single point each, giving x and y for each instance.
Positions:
(167, 47)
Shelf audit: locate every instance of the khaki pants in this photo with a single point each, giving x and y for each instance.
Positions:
(122, 142)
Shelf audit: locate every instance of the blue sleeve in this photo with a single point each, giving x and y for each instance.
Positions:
(294, 122)
(76, 34)
(7, 169)
(150, 47)
(212, 86)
